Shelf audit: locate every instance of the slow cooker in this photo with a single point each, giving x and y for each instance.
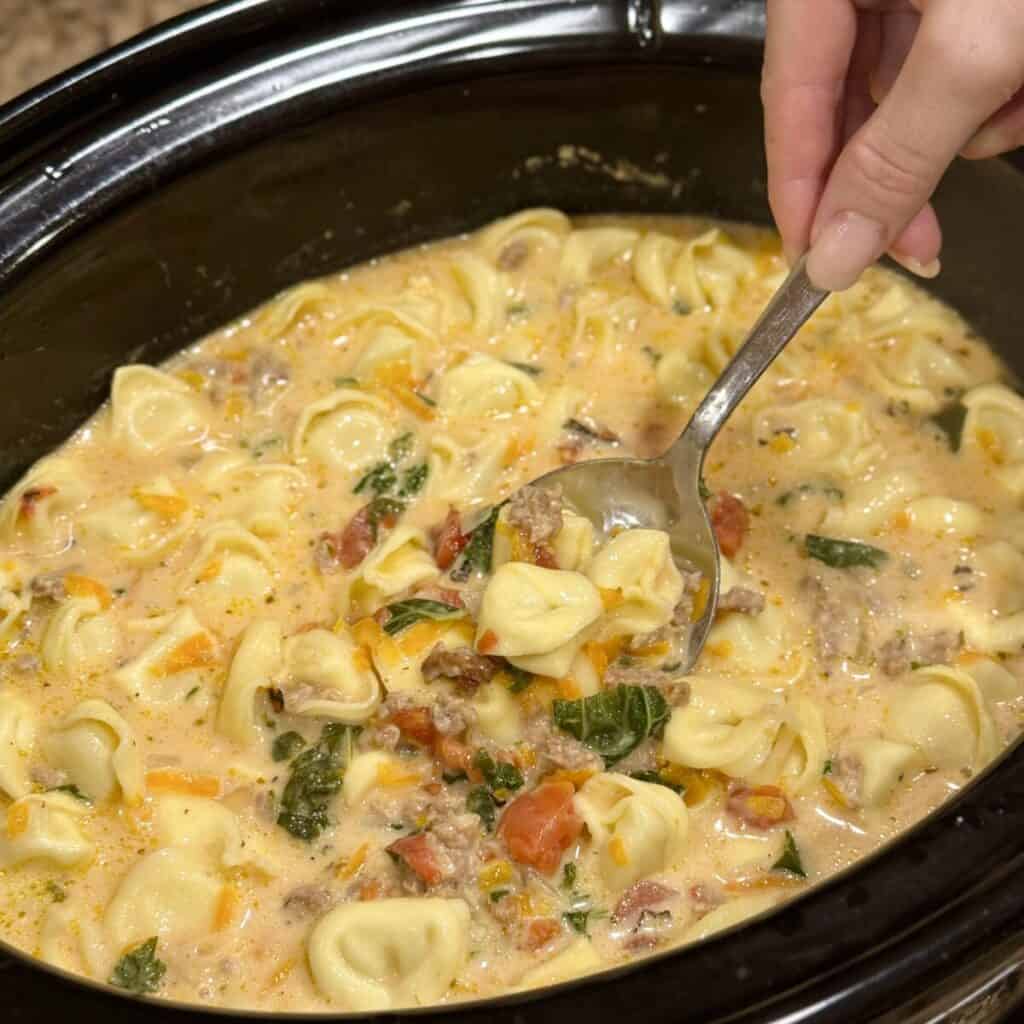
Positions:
(169, 185)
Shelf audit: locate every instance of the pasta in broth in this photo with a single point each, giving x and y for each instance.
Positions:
(299, 711)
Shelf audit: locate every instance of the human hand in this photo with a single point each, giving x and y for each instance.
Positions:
(867, 102)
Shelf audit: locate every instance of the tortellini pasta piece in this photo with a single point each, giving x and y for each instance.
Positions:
(462, 475)
(81, 637)
(39, 511)
(389, 953)
(996, 683)
(375, 768)
(326, 676)
(399, 660)
(233, 575)
(573, 545)
(151, 411)
(991, 614)
(537, 617)
(637, 569)
(883, 764)
(483, 386)
(98, 750)
(260, 497)
(758, 645)
(637, 828)
(538, 228)
(285, 310)
(589, 250)
(917, 370)
(993, 432)
(499, 716)
(681, 377)
(141, 527)
(748, 733)
(202, 826)
(390, 344)
(44, 826)
(481, 290)
(942, 712)
(172, 663)
(256, 663)
(70, 939)
(399, 562)
(346, 432)
(575, 960)
(17, 738)
(871, 506)
(173, 893)
(942, 517)
(819, 433)
(15, 600)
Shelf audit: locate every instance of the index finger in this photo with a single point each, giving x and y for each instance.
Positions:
(807, 57)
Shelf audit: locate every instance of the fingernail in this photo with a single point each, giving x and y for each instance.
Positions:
(843, 250)
(926, 270)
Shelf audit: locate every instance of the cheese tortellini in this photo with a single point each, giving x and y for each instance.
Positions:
(345, 432)
(398, 563)
(389, 953)
(327, 676)
(484, 386)
(17, 739)
(151, 410)
(45, 827)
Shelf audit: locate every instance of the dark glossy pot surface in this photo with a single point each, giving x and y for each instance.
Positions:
(178, 182)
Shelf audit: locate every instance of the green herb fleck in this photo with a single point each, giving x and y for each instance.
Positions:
(790, 859)
(479, 550)
(577, 920)
(72, 790)
(480, 801)
(569, 875)
(527, 368)
(56, 891)
(843, 554)
(426, 399)
(658, 779)
(681, 308)
(315, 777)
(380, 479)
(521, 679)
(413, 480)
(139, 970)
(346, 382)
(286, 746)
(950, 421)
(401, 447)
(499, 775)
(403, 614)
(653, 354)
(830, 491)
(497, 895)
(827, 768)
(613, 722)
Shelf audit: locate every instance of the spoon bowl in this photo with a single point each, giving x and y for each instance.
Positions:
(666, 493)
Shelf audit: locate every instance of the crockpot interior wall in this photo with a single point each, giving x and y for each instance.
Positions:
(219, 240)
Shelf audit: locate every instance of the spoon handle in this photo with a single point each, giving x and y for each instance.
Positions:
(787, 311)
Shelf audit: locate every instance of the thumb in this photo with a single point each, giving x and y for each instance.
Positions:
(965, 62)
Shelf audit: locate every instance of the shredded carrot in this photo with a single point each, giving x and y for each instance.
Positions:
(577, 777)
(568, 689)
(167, 780)
(597, 657)
(392, 775)
(487, 642)
(225, 908)
(17, 820)
(351, 865)
(166, 506)
(194, 652)
(86, 586)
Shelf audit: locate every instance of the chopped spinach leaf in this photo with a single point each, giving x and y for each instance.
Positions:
(577, 920)
(380, 479)
(72, 790)
(479, 550)
(413, 480)
(286, 746)
(139, 970)
(480, 801)
(499, 775)
(790, 859)
(521, 679)
(613, 722)
(315, 777)
(527, 368)
(843, 554)
(403, 614)
(569, 875)
(401, 447)
(827, 767)
(950, 421)
(658, 779)
(382, 509)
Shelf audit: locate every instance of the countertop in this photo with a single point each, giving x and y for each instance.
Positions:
(39, 38)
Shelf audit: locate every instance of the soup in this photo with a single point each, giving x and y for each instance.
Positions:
(305, 703)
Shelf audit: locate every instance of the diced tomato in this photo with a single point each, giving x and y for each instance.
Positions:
(487, 642)
(760, 807)
(357, 539)
(450, 540)
(539, 826)
(538, 932)
(729, 520)
(30, 498)
(420, 856)
(416, 724)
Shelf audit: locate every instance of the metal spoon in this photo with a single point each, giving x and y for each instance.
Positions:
(664, 493)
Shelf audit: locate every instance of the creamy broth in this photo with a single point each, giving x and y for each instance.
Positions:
(296, 714)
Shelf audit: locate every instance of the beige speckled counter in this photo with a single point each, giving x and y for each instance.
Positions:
(38, 38)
